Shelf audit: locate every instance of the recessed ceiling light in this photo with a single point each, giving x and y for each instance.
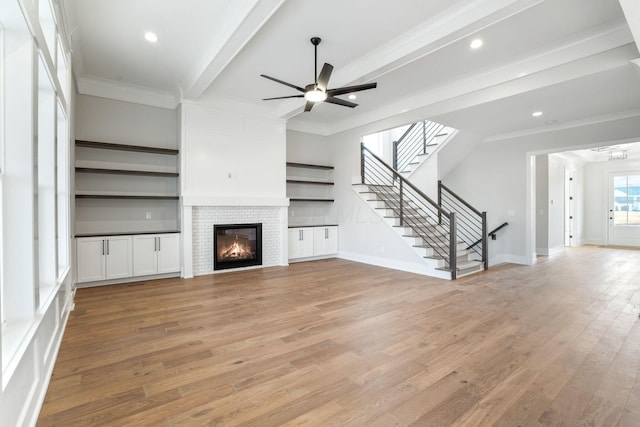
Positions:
(537, 114)
(476, 43)
(352, 96)
(150, 37)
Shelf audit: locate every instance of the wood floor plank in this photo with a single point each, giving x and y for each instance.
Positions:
(337, 343)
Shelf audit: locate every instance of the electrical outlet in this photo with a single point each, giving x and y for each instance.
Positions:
(148, 216)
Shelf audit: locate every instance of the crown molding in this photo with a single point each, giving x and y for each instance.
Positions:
(126, 92)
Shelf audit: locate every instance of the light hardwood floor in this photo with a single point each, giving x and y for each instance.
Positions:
(334, 342)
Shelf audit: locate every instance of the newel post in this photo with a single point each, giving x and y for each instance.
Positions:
(485, 242)
(453, 245)
(362, 162)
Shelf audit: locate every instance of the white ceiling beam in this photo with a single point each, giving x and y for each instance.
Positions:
(243, 20)
(631, 9)
(576, 57)
(441, 30)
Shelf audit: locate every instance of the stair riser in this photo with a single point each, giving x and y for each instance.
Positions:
(376, 204)
(424, 252)
(392, 221)
(413, 241)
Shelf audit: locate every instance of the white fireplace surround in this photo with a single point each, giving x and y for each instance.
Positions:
(203, 218)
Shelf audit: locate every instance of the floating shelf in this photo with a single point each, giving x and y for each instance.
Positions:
(311, 200)
(124, 197)
(124, 147)
(308, 166)
(126, 172)
(300, 181)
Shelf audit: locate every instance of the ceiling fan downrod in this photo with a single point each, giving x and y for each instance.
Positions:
(315, 41)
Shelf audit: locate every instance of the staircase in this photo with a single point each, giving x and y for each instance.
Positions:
(450, 242)
(417, 143)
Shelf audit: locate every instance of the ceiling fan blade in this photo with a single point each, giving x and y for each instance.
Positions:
(298, 88)
(349, 89)
(338, 101)
(323, 78)
(309, 105)
(283, 97)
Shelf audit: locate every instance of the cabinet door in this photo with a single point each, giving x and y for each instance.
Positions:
(90, 258)
(325, 241)
(294, 243)
(119, 257)
(145, 255)
(300, 242)
(168, 253)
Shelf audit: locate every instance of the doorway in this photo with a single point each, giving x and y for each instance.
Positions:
(624, 209)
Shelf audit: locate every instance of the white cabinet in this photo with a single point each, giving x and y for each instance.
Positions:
(305, 242)
(300, 242)
(103, 258)
(325, 240)
(156, 254)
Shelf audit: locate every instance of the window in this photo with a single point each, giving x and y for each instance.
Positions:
(626, 200)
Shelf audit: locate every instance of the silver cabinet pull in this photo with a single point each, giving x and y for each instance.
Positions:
(300, 235)
(158, 244)
(326, 233)
(107, 246)
(102, 246)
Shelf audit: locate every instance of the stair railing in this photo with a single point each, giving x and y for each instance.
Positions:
(472, 224)
(417, 139)
(436, 226)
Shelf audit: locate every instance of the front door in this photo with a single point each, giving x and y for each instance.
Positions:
(624, 209)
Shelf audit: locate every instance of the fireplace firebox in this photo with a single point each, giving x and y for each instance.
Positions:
(237, 245)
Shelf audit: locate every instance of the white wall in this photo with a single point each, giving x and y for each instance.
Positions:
(556, 205)
(119, 122)
(495, 176)
(231, 157)
(542, 204)
(231, 154)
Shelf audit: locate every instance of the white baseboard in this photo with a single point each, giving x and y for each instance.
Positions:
(550, 251)
(395, 265)
(510, 259)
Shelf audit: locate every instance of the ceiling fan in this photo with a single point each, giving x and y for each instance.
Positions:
(317, 92)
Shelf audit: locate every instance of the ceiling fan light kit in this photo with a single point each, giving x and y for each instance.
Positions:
(317, 91)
